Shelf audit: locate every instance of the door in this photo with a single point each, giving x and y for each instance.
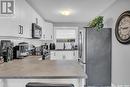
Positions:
(98, 54)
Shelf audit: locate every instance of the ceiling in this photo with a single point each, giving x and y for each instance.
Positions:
(82, 10)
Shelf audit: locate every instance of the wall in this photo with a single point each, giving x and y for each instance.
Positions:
(69, 24)
(120, 52)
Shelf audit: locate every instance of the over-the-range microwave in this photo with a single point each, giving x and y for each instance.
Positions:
(36, 31)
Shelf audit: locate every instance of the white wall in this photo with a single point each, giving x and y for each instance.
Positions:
(120, 52)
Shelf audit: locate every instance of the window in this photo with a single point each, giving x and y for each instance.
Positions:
(65, 34)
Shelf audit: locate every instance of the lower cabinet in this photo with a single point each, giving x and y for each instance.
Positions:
(64, 55)
(23, 82)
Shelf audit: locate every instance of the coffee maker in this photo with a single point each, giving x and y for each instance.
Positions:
(21, 50)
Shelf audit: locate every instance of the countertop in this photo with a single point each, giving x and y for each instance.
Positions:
(32, 67)
(64, 50)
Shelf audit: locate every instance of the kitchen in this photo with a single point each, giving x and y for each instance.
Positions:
(35, 34)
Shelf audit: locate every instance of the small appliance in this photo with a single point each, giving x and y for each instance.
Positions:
(36, 31)
(7, 50)
(21, 50)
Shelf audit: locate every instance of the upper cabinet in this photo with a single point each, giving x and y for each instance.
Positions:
(27, 16)
(25, 19)
(20, 24)
(47, 31)
(10, 24)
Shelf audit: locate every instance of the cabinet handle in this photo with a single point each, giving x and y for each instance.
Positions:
(51, 36)
(20, 29)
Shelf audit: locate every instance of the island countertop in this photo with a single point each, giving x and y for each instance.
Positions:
(32, 67)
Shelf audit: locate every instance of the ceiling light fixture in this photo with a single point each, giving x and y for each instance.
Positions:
(66, 12)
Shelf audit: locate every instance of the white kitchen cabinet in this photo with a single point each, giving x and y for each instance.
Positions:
(24, 16)
(75, 54)
(47, 28)
(20, 25)
(47, 31)
(56, 55)
(28, 16)
(64, 55)
(36, 18)
(25, 19)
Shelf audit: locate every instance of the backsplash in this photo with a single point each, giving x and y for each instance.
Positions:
(35, 42)
(66, 45)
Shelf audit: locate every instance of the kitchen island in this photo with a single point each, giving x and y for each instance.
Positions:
(32, 67)
(19, 72)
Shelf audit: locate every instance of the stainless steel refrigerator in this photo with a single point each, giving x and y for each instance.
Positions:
(95, 55)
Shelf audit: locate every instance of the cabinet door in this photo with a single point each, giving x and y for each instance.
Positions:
(24, 19)
(75, 55)
(20, 24)
(9, 24)
(36, 18)
(71, 55)
(28, 16)
(27, 21)
(59, 55)
(44, 31)
(64, 55)
(53, 55)
(21, 15)
(68, 55)
(48, 31)
(56, 55)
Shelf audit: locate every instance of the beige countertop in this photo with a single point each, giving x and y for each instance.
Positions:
(64, 50)
(32, 67)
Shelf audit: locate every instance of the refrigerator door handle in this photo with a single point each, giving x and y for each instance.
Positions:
(80, 44)
(79, 60)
